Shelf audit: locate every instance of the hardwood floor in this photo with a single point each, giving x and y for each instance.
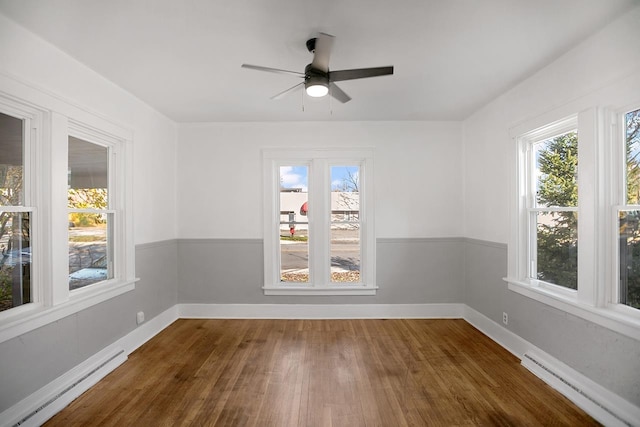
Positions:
(321, 373)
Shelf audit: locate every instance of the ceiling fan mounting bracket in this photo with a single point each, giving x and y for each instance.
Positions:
(311, 44)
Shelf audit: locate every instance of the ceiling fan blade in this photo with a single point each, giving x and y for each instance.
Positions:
(338, 93)
(361, 73)
(322, 52)
(288, 91)
(272, 70)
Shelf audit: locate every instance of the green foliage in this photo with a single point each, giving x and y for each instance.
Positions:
(558, 254)
(558, 164)
(633, 280)
(295, 238)
(87, 198)
(557, 250)
(7, 277)
(557, 234)
(5, 289)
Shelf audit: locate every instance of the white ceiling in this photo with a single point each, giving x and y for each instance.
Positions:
(183, 57)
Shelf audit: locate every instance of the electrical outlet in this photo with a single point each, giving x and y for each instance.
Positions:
(140, 317)
(505, 318)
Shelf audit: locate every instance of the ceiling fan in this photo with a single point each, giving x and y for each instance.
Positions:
(318, 80)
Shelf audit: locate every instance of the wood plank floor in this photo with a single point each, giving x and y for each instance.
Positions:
(321, 373)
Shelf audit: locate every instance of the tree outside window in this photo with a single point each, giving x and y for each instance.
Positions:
(629, 219)
(557, 230)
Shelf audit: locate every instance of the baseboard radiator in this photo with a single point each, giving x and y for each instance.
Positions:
(573, 391)
(67, 394)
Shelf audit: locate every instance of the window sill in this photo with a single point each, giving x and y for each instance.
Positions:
(27, 319)
(305, 290)
(603, 316)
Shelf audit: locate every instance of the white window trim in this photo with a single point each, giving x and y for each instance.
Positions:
(272, 159)
(49, 120)
(599, 154)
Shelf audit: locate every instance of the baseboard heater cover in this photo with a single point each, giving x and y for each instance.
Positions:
(73, 390)
(558, 381)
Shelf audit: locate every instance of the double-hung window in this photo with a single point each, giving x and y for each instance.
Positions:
(17, 206)
(66, 229)
(575, 241)
(550, 216)
(91, 214)
(627, 294)
(318, 231)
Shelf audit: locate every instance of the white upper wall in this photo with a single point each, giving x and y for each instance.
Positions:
(599, 71)
(417, 174)
(419, 187)
(39, 64)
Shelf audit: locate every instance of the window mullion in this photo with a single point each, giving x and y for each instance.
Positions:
(366, 218)
(58, 234)
(319, 261)
(272, 222)
(588, 187)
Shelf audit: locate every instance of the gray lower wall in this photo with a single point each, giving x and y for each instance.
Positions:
(227, 271)
(32, 360)
(608, 358)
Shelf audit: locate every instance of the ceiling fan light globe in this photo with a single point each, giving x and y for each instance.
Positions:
(317, 90)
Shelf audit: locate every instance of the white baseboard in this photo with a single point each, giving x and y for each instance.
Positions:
(321, 311)
(606, 407)
(603, 405)
(507, 339)
(148, 330)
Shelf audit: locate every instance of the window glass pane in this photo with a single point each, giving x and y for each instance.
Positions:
(556, 171)
(632, 134)
(557, 248)
(90, 232)
(345, 224)
(294, 226)
(11, 161)
(345, 254)
(88, 178)
(90, 249)
(15, 264)
(629, 241)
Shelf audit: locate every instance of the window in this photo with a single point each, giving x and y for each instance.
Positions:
(628, 292)
(552, 205)
(319, 235)
(576, 239)
(16, 208)
(90, 219)
(66, 236)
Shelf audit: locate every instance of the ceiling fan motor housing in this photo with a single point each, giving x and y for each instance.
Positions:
(314, 77)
